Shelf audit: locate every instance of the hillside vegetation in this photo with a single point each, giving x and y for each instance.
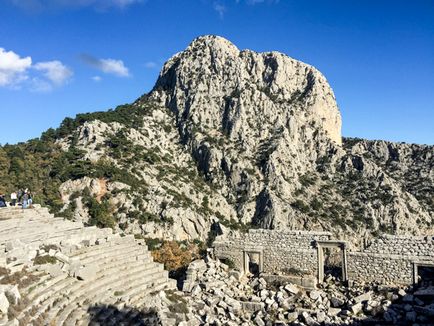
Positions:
(247, 139)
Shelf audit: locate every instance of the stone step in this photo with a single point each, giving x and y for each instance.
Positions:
(113, 254)
(91, 255)
(136, 307)
(134, 288)
(78, 235)
(80, 313)
(62, 282)
(96, 249)
(43, 294)
(136, 297)
(76, 285)
(48, 223)
(28, 213)
(132, 262)
(46, 287)
(56, 237)
(41, 234)
(82, 317)
(43, 279)
(101, 290)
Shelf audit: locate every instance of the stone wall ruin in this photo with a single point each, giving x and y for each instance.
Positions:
(299, 256)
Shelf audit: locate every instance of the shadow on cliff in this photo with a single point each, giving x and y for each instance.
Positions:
(103, 315)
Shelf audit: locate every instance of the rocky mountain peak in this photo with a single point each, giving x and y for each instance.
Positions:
(213, 80)
(242, 138)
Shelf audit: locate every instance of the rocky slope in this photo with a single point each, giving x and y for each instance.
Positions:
(249, 139)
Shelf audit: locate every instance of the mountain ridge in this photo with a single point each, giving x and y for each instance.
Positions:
(244, 138)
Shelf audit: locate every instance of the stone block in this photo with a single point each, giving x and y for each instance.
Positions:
(292, 316)
(356, 308)
(334, 311)
(87, 272)
(363, 297)
(62, 257)
(53, 269)
(337, 302)
(291, 288)
(13, 294)
(411, 316)
(235, 274)
(4, 303)
(13, 244)
(308, 282)
(101, 241)
(314, 294)
(252, 306)
(234, 305)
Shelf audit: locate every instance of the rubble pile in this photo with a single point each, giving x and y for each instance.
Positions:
(217, 295)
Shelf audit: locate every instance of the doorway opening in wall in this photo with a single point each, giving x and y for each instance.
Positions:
(253, 260)
(333, 262)
(425, 276)
(227, 261)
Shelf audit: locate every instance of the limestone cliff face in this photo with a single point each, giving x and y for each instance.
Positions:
(217, 86)
(255, 138)
(251, 120)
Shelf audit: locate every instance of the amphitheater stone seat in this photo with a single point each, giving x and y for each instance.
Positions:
(77, 268)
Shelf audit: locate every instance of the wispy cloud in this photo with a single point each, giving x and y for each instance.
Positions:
(150, 64)
(16, 72)
(55, 71)
(108, 66)
(96, 78)
(254, 2)
(40, 5)
(220, 8)
(13, 68)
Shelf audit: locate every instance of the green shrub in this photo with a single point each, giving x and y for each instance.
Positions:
(101, 214)
(300, 205)
(42, 260)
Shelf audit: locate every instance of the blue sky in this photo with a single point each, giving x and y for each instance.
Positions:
(62, 57)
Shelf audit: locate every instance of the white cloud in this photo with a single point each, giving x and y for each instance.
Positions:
(13, 68)
(108, 66)
(54, 71)
(115, 67)
(150, 64)
(220, 8)
(40, 85)
(39, 5)
(17, 72)
(96, 78)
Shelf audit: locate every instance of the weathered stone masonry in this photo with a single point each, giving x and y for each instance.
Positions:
(287, 252)
(388, 259)
(392, 259)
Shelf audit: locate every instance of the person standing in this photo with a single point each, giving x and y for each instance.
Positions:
(20, 195)
(2, 201)
(14, 198)
(25, 199)
(30, 200)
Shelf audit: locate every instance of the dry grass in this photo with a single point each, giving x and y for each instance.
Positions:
(174, 256)
(22, 278)
(14, 310)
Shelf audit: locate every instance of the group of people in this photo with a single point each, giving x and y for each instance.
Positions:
(23, 198)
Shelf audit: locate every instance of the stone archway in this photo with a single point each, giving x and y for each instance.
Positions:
(423, 274)
(341, 245)
(253, 261)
